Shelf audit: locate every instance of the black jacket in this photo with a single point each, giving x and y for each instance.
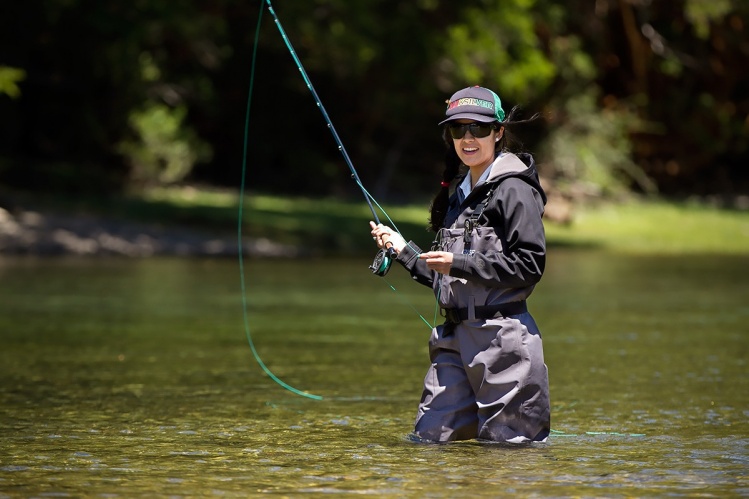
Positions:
(514, 256)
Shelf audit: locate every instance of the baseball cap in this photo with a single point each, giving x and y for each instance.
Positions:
(474, 103)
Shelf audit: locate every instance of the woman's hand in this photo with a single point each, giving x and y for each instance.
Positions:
(385, 237)
(441, 261)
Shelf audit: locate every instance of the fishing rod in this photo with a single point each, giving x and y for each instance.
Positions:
(385, 256)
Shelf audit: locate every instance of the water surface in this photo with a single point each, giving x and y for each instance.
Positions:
(134, 377)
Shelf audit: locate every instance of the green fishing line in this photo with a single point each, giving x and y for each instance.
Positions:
(369, 199)
(239, 229)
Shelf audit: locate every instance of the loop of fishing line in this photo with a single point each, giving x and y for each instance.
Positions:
(367, 196)
(239, 229)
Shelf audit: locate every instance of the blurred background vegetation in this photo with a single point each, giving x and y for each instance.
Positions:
(112, 97)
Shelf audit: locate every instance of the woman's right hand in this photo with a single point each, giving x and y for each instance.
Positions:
(440, 261)
(385, 237)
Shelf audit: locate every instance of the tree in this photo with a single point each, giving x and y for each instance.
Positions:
(156, 91)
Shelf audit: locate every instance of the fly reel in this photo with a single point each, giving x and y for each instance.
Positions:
(382, 261)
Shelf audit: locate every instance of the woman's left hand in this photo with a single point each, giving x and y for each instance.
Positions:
(441, 261)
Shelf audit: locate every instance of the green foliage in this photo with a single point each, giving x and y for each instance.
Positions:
(159, 81)
(165, 150)
(588, 151)
(495, 44)
(576, 69)
(701, 13)
(9, 79)
(589, 154)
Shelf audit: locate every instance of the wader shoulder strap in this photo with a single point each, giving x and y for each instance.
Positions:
(479, 210)
(473, 221)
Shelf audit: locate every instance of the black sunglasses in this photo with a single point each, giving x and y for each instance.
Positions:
(478, 130)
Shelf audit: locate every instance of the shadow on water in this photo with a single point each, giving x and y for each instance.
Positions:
(134, 377)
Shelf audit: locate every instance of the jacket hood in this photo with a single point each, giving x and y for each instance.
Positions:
(521, 165)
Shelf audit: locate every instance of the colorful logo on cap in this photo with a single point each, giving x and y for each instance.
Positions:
(471, 101)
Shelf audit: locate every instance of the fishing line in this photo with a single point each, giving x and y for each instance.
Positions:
(560, 433)
(395, 228)
(239, 230)
(388, 255)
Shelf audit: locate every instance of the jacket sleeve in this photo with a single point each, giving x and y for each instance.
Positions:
(522, 260)
(409, 258)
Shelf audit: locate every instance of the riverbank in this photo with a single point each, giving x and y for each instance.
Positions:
(196, 222)
(658, 227)
(34, 232)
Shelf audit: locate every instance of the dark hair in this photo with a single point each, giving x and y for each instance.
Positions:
(508, 142)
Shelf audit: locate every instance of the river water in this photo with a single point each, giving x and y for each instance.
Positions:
(136, 377)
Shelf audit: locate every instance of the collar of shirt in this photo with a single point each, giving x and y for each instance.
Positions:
(465, 186)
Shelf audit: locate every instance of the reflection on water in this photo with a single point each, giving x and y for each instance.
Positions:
(122, 378)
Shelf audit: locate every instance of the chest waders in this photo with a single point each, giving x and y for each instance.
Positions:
(487, 378)
(458, 299)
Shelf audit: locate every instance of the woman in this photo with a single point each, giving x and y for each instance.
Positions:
(488, 379)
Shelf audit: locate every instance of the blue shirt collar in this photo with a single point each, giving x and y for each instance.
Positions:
(464, 189)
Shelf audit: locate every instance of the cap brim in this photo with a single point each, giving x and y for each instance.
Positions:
(469, 116)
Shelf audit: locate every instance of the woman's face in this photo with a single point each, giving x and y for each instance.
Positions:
(473, 151)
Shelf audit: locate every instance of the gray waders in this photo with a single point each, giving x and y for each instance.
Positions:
(488, 379)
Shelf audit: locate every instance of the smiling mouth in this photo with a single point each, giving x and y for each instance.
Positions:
(470, 149)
